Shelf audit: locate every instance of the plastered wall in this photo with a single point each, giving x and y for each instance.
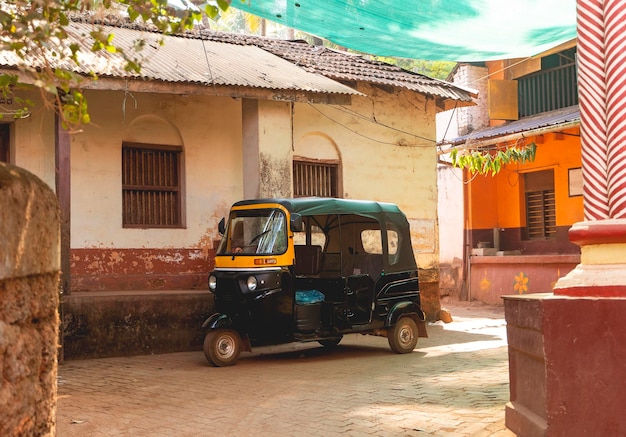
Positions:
(387, 153)
(501, 204)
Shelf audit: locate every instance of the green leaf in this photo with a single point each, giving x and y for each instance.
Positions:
(223, 4)
(489, 162)
(453, 156)
(7, 80)
(211, 11)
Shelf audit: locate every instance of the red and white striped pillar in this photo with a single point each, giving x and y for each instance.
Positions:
(615, 73)
(592, 98)
(602, 95)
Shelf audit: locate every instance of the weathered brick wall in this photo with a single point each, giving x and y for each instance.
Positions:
(471, 118)
(29, 323)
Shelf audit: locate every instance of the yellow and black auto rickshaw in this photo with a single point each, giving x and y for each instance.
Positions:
(312, 269)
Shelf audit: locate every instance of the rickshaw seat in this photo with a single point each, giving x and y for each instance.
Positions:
(307, 260)
(364, 264)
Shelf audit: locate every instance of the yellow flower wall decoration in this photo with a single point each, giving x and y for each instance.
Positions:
(520, 285)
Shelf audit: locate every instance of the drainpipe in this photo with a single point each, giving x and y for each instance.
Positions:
(466, 238)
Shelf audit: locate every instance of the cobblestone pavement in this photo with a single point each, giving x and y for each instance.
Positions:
(454, 384)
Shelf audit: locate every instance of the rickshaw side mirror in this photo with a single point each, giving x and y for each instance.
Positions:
(296, 222)
(221, 227)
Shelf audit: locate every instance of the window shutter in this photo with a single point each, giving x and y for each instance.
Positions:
(315, 179)
(151, 189)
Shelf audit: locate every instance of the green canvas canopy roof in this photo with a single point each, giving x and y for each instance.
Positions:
(308, 206)
(384, 213)
(453, 30)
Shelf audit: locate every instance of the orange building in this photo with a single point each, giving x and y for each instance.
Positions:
(516, 222)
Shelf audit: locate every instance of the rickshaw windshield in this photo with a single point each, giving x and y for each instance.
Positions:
(258, 231)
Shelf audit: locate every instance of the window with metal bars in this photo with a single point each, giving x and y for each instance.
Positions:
(315, 179)
(151, 186)
(540, 205)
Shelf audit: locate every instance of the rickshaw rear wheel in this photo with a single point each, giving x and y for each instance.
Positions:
(222, 347)
(403, 336)
(330, 342)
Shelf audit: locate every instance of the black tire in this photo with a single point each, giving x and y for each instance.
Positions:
(222, 347)
(403, 336)
(330, 342)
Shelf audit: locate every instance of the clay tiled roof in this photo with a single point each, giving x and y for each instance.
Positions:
(346, 66)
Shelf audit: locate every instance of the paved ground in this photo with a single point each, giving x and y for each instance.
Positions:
(454, 384)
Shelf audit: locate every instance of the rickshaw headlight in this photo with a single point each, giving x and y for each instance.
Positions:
(252, 283)
(212, 283)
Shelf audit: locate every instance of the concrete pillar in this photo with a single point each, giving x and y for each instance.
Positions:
(567, 360)
(29, 300)
(267, 149)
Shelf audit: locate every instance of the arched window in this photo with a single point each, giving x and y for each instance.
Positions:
(316, 167)
(152, 175)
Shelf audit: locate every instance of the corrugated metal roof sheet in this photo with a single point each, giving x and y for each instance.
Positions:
(219, 58)
(556, 118)
(209, 62)
(192, 61)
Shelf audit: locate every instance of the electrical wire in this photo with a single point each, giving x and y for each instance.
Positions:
(356, 114)
(373, 120)
(501, 70)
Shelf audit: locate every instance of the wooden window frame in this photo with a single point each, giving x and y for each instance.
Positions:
(540, 206)
(148, 205)
(304, 179)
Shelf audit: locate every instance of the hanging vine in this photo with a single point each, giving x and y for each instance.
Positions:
(490, 161)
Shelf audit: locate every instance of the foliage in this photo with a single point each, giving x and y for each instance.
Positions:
(435, 69)
(487, 161)
(34, 33)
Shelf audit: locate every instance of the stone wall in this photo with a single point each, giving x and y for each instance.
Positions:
(29, 298)
(115, 324)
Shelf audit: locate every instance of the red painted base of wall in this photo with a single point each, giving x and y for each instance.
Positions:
(492, 277)
(140, 269)
(567, 365)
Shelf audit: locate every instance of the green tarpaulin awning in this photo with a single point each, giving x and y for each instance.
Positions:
(453, 30)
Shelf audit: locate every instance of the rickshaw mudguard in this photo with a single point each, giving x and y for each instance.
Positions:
(412, 310)
(217, 320)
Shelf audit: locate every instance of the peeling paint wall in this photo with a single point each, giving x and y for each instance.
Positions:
(387, 153)
(208, 129)
(233, 149)
(140, 269)
(106, 256)
(267, 149)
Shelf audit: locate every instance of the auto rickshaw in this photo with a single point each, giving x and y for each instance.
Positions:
(312, 269)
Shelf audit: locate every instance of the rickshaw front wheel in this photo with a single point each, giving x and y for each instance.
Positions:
(403, 336)
(222, 347)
